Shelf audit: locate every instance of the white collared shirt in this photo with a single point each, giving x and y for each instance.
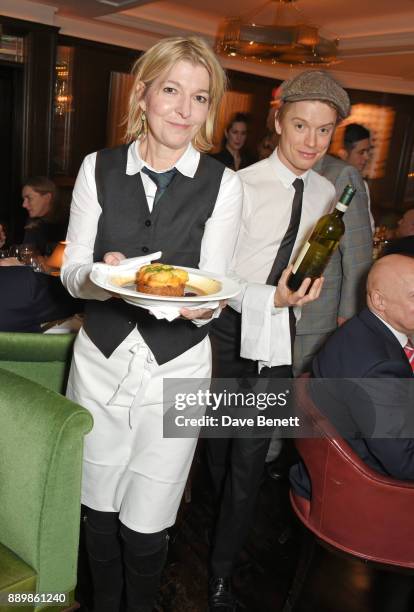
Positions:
(187, 165)
(220, 233)
(267, 204)
(401, 337)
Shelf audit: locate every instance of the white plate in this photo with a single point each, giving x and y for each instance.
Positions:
(122, 282)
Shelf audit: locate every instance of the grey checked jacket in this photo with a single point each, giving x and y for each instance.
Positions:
(343, 293)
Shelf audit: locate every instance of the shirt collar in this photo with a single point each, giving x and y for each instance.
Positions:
(285, 175)
(187, 164)
(401, 337)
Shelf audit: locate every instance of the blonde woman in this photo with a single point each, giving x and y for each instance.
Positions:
(158, 192)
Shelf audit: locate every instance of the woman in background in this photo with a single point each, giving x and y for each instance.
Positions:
(232, 154)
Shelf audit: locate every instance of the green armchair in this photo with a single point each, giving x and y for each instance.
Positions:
(43, 358)
(41, 444)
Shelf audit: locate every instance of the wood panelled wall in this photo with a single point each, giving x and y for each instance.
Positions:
(387, 193)
(31, 97)
(93, 64)
(260, 88)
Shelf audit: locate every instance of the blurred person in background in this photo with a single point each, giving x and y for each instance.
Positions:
(401, 240)
(357, 146)
(405, 226)
(29, 300)
(233, 154)
(265, 146)
(269, 141)
(46, 224)
(356, 152)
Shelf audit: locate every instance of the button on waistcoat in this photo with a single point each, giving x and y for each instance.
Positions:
(175, 226)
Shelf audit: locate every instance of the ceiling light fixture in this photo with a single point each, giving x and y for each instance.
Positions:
(276, 32)
(117, 3)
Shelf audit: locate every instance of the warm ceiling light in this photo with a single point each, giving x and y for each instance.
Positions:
(117, 3)
(276, 32)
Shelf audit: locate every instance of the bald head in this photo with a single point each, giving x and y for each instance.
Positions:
(390, 291)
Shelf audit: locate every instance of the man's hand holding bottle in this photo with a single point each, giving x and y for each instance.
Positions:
(307, 292)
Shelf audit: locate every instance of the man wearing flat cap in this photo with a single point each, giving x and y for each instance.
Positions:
(283, 199)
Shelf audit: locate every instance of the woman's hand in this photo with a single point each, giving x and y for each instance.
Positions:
(113, 258)
(286, 297)
(200, 313)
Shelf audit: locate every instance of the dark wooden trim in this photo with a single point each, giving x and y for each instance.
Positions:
(38, 95)
(21, 27)
(72, 41)
(404, 165)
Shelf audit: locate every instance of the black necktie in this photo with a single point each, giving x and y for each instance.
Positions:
(161, 179)
(286, 246)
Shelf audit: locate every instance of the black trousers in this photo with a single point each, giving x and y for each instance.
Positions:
(236, 465)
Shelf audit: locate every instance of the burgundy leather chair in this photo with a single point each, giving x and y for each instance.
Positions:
(353, 508)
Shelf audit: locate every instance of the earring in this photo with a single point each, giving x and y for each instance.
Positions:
(143, 129)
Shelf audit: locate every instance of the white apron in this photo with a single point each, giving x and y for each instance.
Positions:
(128, 466)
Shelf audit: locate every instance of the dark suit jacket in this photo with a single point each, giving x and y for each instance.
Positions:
(364, 348)
(30, 298)
(44, 235)
(402, 246)
(226, 158)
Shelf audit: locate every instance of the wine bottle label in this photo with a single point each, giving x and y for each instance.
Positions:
(300, 257)
(341, 207)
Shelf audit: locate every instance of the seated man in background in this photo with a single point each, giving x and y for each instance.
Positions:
(405, 226)
(375, 344)
(29, 299)
(403, 239)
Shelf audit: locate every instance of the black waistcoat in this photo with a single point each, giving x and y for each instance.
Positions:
(175, 226)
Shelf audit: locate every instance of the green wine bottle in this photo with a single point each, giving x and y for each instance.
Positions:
(317, 250)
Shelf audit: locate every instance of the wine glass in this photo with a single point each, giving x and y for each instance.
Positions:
(14, 251)
(37, 263)
(26, 253)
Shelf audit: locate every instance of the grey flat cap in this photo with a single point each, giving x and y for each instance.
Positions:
(316, 85)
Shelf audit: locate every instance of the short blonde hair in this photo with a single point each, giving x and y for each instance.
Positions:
(158, 60)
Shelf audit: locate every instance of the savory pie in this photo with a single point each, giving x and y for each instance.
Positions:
(161, 279)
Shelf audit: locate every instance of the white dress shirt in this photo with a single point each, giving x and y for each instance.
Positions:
(128, 466)
(267, 204)
(220, 234)
(371, 218)
(401, 337)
